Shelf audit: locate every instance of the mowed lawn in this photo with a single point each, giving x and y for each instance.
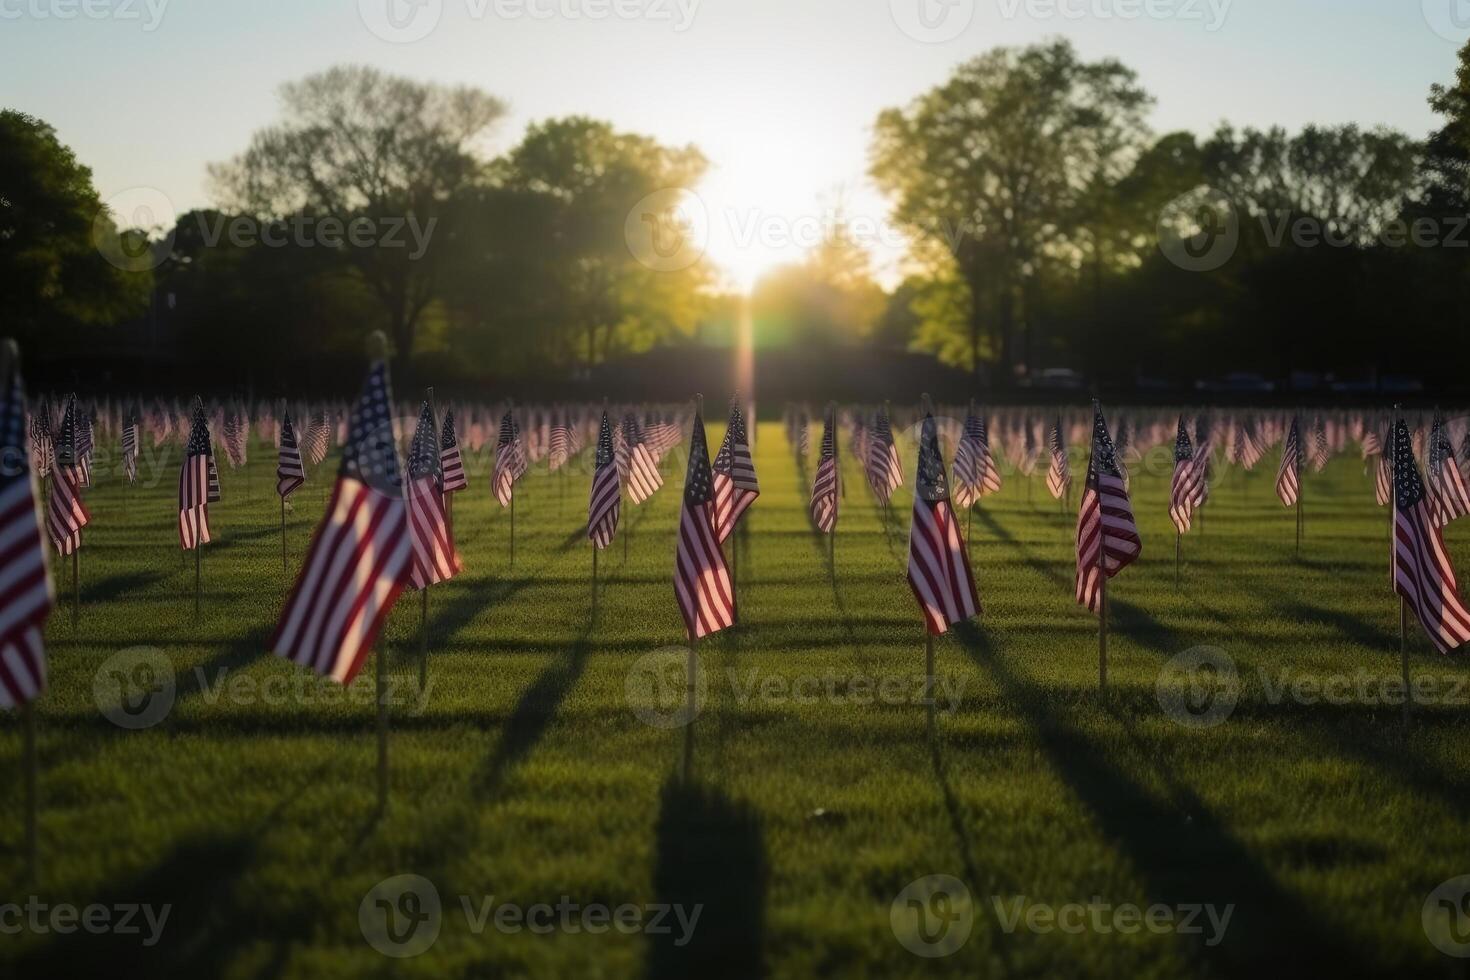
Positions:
(524, 772)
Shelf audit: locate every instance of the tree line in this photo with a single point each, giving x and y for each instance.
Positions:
(1049, 227)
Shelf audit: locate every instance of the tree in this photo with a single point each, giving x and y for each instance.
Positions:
(356, 143)
(62, 259)
(1004, 159)
(543, 264)
(828, 300)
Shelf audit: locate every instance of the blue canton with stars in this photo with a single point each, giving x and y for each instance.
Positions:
(699, 486)
(1104, 456)
(604, 443)
(1408, 488)
(450, 440)
(16, 462)
(423, 452)
(1440, 449)
(371, 455)
(933, 486)
(199, 433)
(1183, 449)
(66, 442)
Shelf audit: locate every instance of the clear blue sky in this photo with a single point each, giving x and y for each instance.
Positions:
(780, 94)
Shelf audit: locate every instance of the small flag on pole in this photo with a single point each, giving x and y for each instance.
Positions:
(1059, 473)
(360, 558)
(636, 462)
(1107, 537)
(194, 483)
(734, 476)
(1289, 476)
(1423, 574)
(450, 460)
(290, 474)
(939, 568)
(434, 557)
(824, 487)
(66, 515)
(510, 460)
(975, 475)
(605, 503)
(701, 578)
(26, 595)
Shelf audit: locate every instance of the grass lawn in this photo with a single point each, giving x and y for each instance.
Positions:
(523, 772)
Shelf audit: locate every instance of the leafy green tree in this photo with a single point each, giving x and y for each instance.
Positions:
(357, 143)
(1005, 160)
(56, 239)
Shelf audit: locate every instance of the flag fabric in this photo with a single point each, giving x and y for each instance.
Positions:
(1107, 537)
(510, 460)
(701, 578)
(939, 567)
(317, 435)
(825, 488)
(66, 515)
(84, 448)
(636, 463)
(559, 444)
(290, 474)
(1185, 493)
(1321, 451)
(1289, 476)
(605, 503)
(1383, 480)
(734, 476)
(130, 450)
(975, 475)
(1059, 473)
(1442, 474)
(360, 557)
(450, 461)
(885, 473)
(26, 595)
(194, 478)
(42, 450)
(434, 556)
(1423, 574)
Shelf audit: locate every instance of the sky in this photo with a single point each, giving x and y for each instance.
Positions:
(780, 95)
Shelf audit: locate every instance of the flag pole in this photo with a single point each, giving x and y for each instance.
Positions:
(285, 565)
(1404, 658)
(1178, 549)
(377, 346)
(76, 585)
(424, 592)
(198, 562)
(1102, 584)
(691, 667)
(929, 676)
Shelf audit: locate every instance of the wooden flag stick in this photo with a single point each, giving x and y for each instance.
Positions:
(594, 579)
(1102, 585)
(33, 795)
(929, 676)
(382, 687)
(1178, 549)
(512, 525)
(689, 710)
(285, 566)
(198, 562)
(76, 585)
(423, 637)
(1404, 658)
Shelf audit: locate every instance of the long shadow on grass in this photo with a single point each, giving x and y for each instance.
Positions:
(117, 586)
(710, 854)
(1032, 560)
(1183, 852)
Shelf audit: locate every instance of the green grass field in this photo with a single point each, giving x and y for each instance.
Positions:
(524, 772)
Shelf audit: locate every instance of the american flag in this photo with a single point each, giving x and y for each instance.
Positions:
(701, 578)
(290, 474)
(26, 595)
(1423, 574)
(1383, 479)
(734, 476)
(939, 568)
(1106, 533)
(66, 515)
(510, 460)
(434, 557)
(1446, 484)
(316, 438)
(824, 487)
(450, 460)
(1372, 445)
(884, 470)
(360, 558)
(84, 448)
(194, 477)
(605, 503)
(130, 449)
(1321, 451)
(1289, 476)
(975, 475)
(560, 443)
(1187, 489)
(42, 451)
(636, 463)
(1059, 473)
